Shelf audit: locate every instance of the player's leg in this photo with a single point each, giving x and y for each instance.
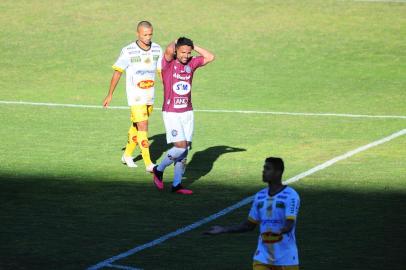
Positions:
(141, 114)
(187, 122)
(174, 134)
(260, 266)
(285, 267)
(130, 147)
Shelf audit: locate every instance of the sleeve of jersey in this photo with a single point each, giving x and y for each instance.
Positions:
(122, 62)
(253, 216)
(197, 62)
(159, 62)
(164, 63)
(292, 209)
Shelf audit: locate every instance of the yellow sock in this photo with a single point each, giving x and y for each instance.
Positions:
(132, 141)
(144, 145)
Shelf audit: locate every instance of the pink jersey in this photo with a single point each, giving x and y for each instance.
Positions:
(177, 79)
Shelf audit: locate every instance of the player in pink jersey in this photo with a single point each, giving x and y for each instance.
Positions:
(178, 67)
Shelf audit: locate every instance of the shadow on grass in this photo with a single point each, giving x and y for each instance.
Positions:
(203, 161)
(200, 165)
(53, 223)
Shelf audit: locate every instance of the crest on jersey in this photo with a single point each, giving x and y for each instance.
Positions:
(147, 60)
(280, 204)
(174, 132)
(260, 205)
(188, 69)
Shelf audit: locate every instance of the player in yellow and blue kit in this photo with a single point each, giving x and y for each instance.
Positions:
(140, 60)
(275, 210)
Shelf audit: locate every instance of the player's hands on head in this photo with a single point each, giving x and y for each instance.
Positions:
(215, 230)
(107, 101)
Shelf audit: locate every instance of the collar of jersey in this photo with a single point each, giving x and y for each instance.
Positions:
(150, 46)
(273, 195)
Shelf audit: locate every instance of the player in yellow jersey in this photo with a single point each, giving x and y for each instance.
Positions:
(140, 60)
(275, 210)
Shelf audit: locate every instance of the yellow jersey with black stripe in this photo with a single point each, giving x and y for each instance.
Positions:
(271, 213)
(140, 67)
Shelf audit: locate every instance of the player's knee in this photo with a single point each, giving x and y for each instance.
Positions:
(182, 157)
(133, 139)
(181, 144)
(142, 126)
(145, 143)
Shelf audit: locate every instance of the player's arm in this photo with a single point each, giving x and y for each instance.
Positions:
(246, 226)
(114, 80)
(208, 56)
(291, 212)
(288, 226)
(170, 51)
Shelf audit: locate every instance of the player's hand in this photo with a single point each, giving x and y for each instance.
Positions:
(215, 230)
(107, 101)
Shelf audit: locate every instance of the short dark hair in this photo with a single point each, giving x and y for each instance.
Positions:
(277, 163)
(146, 24)
(182, 41)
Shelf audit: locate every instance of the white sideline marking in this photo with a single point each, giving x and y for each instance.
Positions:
(209, 111)
(243, 202)
(382, 1)
(122, 267)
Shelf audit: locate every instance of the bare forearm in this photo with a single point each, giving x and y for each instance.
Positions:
(169, 51)
(240, 228)
(288, 226)
(113, 83)
(208, 56)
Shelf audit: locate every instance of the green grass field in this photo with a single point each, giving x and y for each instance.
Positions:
(67, 202)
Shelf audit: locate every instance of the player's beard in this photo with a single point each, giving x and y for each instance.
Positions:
(184, 61)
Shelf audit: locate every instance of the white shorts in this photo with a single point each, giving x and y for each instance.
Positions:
(179, 126)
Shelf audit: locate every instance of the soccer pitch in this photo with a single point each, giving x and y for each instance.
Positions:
(304, 80)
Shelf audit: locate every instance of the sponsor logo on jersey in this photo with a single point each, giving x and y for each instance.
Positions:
(180, 77)
(270, 237)
(156, 51)
(143, 72)
(135, 59)
(180, 102)
(271, 221)
(181, 88)
(134, 52)
(145, 84)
